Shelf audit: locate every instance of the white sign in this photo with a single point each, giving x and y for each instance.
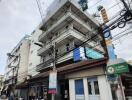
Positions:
(53, 82)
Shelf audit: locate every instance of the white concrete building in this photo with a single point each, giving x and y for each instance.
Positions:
(17, 62)
(34, 59)
(65, 27)
(17, 67)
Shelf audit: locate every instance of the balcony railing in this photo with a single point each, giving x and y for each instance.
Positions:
(41, 37)
(44, 65)
(63, 35)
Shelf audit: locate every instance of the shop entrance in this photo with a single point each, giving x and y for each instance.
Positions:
(93, 89)
(64, 89)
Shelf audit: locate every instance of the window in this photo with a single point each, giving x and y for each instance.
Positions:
(79, 89)
(43, 59)
(96, 87)
(93, 87)
(49, 54)
(89, 88)
(67, 47)
(56, 52)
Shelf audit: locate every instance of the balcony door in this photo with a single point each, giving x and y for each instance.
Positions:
(93, 89)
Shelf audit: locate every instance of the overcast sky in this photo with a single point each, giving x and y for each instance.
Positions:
(20, 17)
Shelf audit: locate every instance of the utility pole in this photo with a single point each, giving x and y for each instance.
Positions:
(54, 64)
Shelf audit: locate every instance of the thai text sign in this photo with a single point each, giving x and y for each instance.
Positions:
(90, 53)
(118, 68)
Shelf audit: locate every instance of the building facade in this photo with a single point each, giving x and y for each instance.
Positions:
(34, 59)
(17, 66)
(80, 76)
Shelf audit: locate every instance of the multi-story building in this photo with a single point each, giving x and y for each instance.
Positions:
(34, 59)
(72, 37)
(66, 27)
(17, 64)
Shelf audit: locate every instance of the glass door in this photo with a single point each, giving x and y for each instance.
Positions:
(79, 89)
(93, 89)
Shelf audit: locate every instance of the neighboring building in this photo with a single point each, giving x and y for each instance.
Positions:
(34, 59)
(81, 74)
(17, 65)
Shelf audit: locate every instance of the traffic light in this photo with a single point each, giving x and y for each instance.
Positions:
(83, 4)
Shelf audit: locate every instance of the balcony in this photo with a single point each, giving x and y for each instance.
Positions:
(44, 65)
(68, 17)
(45, 49)
(65, 35)
(62, 21)
(49, 63)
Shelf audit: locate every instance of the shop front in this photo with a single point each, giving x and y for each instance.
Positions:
(90, 84)
(83, 80)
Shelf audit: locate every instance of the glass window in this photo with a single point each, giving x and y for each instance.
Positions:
(79, 88)
(96, 87)
(89, 88)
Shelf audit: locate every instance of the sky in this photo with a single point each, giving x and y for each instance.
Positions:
(20, 17)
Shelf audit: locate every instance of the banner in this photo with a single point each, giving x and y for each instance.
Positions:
(53, 82)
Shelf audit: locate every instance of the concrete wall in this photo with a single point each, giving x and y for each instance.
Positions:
(86, 73)
(104, 87)
(105, 93)
(34, 59)
(23, 65)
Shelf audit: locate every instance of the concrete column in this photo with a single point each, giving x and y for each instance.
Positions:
(72, 89)
(104, 87)
(85, 88)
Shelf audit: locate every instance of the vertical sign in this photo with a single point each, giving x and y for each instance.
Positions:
(53, 82)
(76, 54)
(104, 15)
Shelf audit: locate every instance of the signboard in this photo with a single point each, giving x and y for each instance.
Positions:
(76, 54)
(90, 53)
(53, 82)
(118, 68)
(108, 42)
(111, 52)
(104, 16)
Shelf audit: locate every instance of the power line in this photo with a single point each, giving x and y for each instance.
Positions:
(40, 9)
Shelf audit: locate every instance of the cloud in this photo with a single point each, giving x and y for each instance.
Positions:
(18, 17)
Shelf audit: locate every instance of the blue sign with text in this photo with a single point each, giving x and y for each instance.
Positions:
(76, 54)
(90, 53)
